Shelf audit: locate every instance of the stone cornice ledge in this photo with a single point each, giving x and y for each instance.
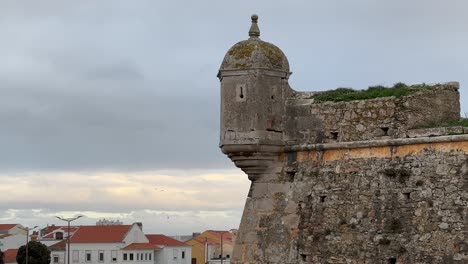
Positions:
(376, 143)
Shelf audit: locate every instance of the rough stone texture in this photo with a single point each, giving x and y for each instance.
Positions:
(309, 122)
(364, 205)
(345, 182)
(413, 208)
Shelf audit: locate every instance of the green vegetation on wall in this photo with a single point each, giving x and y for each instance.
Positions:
(348, 94)
(463, 122)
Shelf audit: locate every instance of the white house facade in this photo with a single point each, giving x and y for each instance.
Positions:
(101, 245)
(174, 255)
(12, 241)
(171, 250)
(119, 244)
(12, 229)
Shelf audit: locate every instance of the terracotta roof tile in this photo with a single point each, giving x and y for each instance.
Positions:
(51, 228)
(226, 234)
(58, 246)
(10, 255)
(6, 227)
(49, 232)
(162, 240)
(100, 234)
(213, 237)
(141, 246)
(207, 240)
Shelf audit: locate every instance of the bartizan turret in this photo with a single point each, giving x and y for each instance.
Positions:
(343, 176)
(254, 84)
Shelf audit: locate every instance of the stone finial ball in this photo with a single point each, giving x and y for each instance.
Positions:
(254, 17)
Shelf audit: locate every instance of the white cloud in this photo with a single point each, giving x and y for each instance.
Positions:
(185, 201)
(111, 191)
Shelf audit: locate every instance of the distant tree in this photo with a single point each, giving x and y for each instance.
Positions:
(38, 253)
(2, 257)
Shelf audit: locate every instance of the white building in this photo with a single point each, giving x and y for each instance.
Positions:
(8, 241)
(171, 250)
(12, 237)
(12, 229)
(103, 244)
(118, 244)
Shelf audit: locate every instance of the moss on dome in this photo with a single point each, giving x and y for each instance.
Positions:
(255, 53)
(242, 50)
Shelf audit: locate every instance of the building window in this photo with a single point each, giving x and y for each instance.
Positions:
(130, 256)
(183, 254)
(138, 256)
(227, 256)
(88, 255)
(101, 256)
(125, 256)
(114, 255)
(76, 256)
(149, 256)
(55, 258)
(59, 235)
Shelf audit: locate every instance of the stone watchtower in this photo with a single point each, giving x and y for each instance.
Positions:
(254, 84)
(376, 176)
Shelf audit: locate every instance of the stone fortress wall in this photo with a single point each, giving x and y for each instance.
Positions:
(364, 181)
(369, 119)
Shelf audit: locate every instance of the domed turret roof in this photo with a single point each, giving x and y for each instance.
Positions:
(255, 53)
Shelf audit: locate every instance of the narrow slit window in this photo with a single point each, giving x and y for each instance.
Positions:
(241, 92)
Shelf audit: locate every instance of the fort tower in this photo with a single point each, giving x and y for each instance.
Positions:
(341, 176)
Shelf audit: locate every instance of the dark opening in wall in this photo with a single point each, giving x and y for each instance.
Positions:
(407, 195)
(392, 261)
(385, 130)
(240, 92)
(291, 175)
(303, 257)
(323, 199)
(334, 135)
(272, 97)
(292, 156)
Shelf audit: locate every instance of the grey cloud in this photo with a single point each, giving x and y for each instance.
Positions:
(131, 86)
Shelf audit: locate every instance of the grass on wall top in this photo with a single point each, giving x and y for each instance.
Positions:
(349, 94)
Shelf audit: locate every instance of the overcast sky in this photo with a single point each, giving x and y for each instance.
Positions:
(110, 108)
